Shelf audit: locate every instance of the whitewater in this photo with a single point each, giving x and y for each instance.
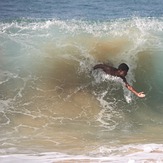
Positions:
(55, 108)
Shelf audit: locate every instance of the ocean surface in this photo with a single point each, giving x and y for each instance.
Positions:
(54, 107)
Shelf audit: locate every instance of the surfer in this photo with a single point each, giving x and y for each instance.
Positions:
(120, 72)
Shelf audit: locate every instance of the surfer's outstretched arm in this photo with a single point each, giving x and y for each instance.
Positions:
(139, 94)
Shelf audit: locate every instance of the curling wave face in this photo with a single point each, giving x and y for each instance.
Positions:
(50, 97)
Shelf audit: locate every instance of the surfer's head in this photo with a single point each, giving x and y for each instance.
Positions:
(123, 69)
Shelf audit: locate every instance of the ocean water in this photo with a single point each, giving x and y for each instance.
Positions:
(54, 107)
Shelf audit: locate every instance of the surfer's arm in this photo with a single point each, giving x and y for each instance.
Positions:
(129, 87)
(99, 66)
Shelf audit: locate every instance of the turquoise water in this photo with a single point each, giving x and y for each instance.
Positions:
(54, 108)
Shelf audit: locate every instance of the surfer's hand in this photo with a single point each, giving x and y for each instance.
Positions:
(141, 94)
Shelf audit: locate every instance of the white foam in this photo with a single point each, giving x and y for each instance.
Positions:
(133, 153)
(100, 76)
(4, 104)
(119, 27)
(123, 154)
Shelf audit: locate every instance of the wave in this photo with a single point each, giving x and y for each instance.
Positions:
(129, 40)
(47, 84)
(46, 45)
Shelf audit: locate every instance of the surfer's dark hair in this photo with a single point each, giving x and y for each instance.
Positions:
(123, 67)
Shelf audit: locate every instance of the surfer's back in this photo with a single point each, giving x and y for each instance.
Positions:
(106, 68)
